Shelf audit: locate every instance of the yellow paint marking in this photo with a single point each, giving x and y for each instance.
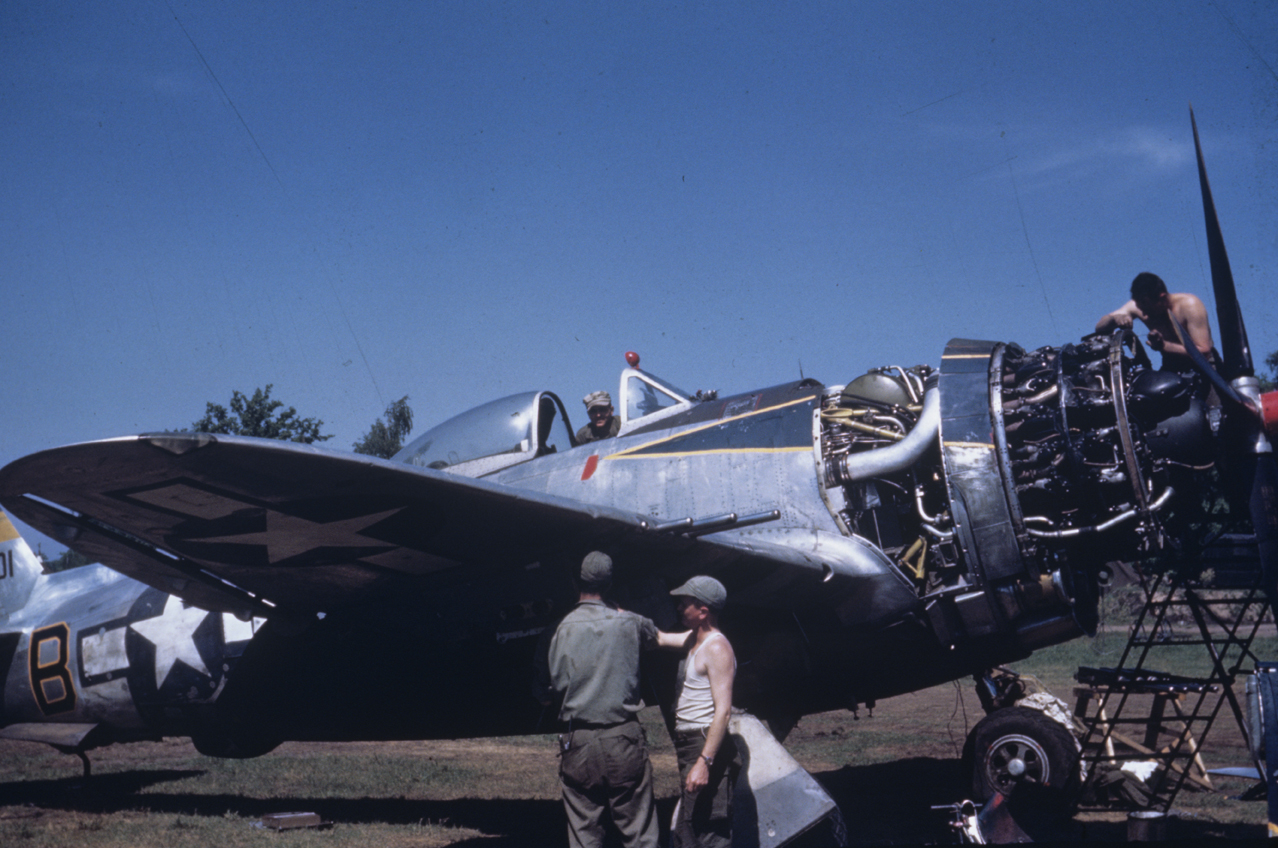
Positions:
(716, 423)
(965, 356)
(7, 531)
(986, 445)
(801, 449)
(37, 642)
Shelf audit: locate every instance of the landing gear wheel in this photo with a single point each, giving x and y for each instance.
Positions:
(1018, 749)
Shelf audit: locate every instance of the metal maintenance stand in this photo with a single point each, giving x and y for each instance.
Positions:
(1132, 719)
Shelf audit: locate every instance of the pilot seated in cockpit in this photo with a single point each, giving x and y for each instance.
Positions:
(603, 424)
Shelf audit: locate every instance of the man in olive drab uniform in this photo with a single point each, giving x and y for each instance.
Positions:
(706, 753)
(594, 663)
(603, 424)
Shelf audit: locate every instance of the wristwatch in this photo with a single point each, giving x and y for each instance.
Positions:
(709, 760)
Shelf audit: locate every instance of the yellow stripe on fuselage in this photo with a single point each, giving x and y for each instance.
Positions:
(801, 449)
(969, 445)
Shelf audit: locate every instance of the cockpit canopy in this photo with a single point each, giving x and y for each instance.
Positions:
(499, 434)
(517, 428)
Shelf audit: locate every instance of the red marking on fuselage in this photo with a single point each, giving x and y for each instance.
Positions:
(592, 462)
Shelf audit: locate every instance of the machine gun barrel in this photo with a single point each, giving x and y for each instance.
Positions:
(701, 526)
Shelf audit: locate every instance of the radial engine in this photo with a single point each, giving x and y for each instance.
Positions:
(1052, 464)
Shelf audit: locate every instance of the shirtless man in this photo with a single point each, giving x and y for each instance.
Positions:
(1152, 304)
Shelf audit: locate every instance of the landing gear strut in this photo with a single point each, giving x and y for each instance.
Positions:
(84, 759)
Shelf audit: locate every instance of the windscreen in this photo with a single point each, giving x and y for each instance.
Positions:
(644, 397)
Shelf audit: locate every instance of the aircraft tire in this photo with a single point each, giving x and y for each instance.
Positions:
(1019, 751)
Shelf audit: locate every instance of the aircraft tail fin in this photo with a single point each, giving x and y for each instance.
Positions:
(19, 569)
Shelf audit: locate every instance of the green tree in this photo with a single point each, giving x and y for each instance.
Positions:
(386, 437)
(261, 416)
(1268, 382)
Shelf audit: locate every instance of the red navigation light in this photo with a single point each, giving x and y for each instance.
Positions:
(632, 358)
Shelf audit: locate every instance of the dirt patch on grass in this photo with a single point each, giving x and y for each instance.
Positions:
(885, 771)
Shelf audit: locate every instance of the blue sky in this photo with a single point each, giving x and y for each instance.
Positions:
(455, 201)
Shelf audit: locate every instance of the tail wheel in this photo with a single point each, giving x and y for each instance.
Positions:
(1020, 747)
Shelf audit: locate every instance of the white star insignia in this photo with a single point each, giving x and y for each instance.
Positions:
(286, 536)
(172, 633)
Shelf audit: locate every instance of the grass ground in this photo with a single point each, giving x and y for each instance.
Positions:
(885, 770)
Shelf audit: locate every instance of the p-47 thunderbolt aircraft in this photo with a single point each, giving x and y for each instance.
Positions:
(138, 653)
(912, 526)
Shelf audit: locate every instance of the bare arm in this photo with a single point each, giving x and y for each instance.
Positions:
(1123, 317)
(674, 641)
(1191, 313)
(721, 669)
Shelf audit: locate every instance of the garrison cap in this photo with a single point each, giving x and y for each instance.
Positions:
(705, 589)
(597, 399)
(596, 571)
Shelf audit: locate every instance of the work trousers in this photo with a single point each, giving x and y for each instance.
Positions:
(704, 818)
(607, 771)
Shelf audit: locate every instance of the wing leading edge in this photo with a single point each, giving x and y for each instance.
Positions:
(240, 524)
(231, 522)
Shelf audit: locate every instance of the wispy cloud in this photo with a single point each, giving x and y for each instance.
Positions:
(1153, 148)
(1131, 149)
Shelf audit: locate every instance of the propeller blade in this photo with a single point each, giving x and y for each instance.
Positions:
(1235, 351)
(1258, 469)
(1226, 391)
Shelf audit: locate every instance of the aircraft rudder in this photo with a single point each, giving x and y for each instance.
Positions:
(20, 568)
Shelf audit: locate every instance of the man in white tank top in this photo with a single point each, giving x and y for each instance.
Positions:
(706, 753)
